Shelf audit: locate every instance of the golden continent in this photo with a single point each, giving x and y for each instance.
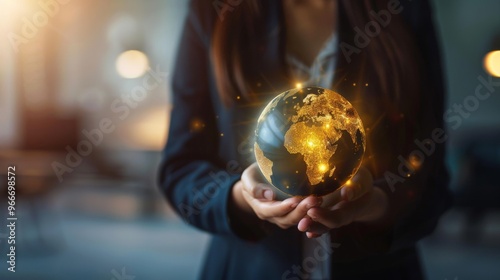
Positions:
(329, 115)
(265, 164)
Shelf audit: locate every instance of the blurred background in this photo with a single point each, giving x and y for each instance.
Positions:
(84, 104)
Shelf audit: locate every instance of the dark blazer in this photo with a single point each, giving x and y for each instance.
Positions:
(209, 145)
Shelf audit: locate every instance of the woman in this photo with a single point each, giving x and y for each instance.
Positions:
(234, 57)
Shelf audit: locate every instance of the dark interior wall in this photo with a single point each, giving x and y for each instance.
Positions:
(467, 29)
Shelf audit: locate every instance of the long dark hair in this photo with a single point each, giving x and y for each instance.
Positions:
(391, 57)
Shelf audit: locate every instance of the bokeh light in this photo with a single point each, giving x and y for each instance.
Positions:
(132, 64)
(492, 63)
(12, 10)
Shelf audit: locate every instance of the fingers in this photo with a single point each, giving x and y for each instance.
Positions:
(357, 204)
(344, 214)
(293, 211)
(259, 196)
(332, 198)
(305, 224)
(310, 226)
(293, 218)
(359, 185)
(285, 213)
(312, 235)
(370, 207)
(266, 210)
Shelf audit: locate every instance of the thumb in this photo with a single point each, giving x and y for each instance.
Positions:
(259, 191)
(253, 184)
(264, 192)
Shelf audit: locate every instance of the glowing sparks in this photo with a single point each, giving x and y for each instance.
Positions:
(315, 143)
(197, 125)
(286, 184)
(323, 167)
(318, 123)
(310, 143)
(415, 162)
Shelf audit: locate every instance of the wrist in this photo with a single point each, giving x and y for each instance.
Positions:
(242, 218)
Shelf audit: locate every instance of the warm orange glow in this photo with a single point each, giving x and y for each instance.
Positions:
(323, 167)
(492, 63)
(197, 125)
(12, 10)
(311, 142)
(148, 132)
(415, 162)
(298, 85)
(132, 64)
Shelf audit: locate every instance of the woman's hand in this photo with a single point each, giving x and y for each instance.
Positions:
(254, 195)
(361, 202)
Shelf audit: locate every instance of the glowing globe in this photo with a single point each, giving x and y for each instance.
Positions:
(309, 141)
